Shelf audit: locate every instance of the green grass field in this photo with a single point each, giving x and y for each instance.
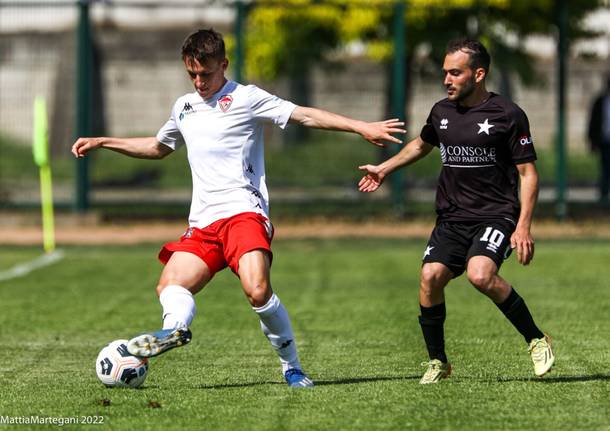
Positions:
(353, 304)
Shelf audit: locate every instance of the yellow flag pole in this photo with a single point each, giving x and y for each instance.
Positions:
(40, 149)
(48, 219)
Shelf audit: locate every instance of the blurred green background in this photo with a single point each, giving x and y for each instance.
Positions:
(113, 68)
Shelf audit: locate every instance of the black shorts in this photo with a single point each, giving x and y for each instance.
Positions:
(454, 243)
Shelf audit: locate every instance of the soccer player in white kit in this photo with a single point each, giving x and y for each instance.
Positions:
(221, 124)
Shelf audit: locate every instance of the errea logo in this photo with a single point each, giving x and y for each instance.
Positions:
(444, 123)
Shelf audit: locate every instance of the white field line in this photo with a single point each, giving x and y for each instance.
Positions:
(25, 268)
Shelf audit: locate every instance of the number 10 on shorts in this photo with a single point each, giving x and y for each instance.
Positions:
(493, 237)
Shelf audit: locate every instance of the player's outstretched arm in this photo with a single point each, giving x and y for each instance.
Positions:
(375, 174)
(376, 132)
(522, 239)
(141, 148)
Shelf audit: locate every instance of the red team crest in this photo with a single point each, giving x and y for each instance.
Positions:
(225, 102)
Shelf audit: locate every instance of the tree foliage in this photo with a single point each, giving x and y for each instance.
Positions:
(286, 38)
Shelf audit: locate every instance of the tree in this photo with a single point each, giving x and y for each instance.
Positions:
(288, 38)
(502, 25)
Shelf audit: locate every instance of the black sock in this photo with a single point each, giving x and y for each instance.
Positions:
(516, 311)
(431, 321)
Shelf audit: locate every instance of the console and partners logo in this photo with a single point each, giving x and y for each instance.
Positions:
(467, 156)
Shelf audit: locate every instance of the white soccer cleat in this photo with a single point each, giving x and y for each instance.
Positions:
(155, 343)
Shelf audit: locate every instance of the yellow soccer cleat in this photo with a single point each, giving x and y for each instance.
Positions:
(542, 355)
(436, 371)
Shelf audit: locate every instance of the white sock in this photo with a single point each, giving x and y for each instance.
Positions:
(178, 307)
(275, 324)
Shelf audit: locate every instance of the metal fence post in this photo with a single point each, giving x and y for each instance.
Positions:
(562, 53)
(83, 101)
(240, 18)
(398, 98)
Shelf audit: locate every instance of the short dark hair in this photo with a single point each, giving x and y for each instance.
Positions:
(479, 57)
(203, 45)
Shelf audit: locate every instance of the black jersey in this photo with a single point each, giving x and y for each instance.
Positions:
(480, 147)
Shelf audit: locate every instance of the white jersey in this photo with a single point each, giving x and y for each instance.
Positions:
(224, 141)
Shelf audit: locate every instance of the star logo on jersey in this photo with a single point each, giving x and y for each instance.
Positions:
(444, 123)
(428, 250)
(484, 127)
(225, 102)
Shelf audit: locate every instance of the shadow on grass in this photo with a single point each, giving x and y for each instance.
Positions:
(238, 385)
(559, 379)
(364, 380)
(338, 381)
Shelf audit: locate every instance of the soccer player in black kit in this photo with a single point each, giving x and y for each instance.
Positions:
(488, 160)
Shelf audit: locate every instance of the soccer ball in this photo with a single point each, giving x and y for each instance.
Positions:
(116, 367)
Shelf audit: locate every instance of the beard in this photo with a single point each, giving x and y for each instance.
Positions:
(466, 90)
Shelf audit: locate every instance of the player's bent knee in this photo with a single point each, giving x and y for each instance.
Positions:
(431, 279)
(481, 280)
(258, 294)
